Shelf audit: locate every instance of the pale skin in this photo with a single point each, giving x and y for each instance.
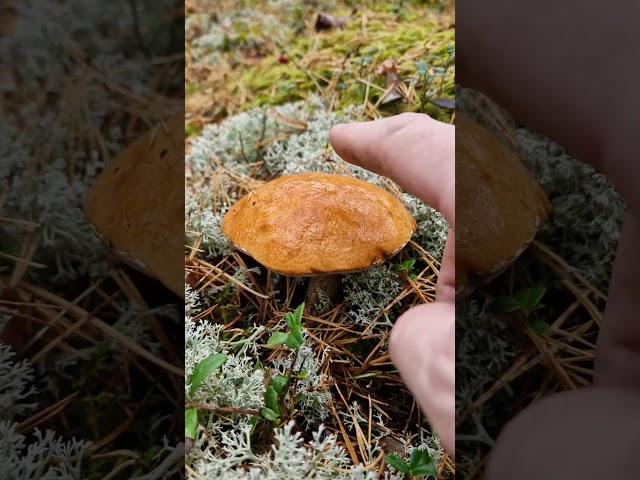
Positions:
(418, 153)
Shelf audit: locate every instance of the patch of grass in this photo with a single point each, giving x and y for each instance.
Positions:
(286, 60)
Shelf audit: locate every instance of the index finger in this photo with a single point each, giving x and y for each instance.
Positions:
(414, 150)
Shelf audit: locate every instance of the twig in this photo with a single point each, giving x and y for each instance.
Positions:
(222, 410)
(174, 458)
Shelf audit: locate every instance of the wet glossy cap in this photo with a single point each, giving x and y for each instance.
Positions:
(499, 205)
(318, 223)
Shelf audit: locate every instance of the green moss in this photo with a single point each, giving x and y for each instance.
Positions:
(191, 88)
(271, 82)
(192, 130)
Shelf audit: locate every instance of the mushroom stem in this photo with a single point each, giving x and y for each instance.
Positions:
(328, 284)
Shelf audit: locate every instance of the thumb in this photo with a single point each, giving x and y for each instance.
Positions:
(414, 150)
(418, 153)
(422, 347)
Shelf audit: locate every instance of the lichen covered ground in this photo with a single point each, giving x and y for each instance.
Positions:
(506, 360)
(73, 321)
(263, 90)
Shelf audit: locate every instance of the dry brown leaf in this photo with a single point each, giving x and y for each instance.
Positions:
(325, 21)
(392, 80)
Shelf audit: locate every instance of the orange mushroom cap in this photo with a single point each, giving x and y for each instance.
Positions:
(318, 223)
(499, 205)
(137, 203)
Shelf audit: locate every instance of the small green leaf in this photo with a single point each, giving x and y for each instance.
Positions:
(253, 421)
(405, 266)
(295, 340)
(277, 338)
(506, 305)
(397, 463)
(419, 457)
(297, 332)
(540, 327)
(302, 375)
(291, 321)
(424, 471)
(420, 463)
(205, 368)
(529, 298)
(526, 300)
(190, 423)
(298, 313)
(270, 414)
(294, 320)
(413, 276)
(278, 382)
(271, 399)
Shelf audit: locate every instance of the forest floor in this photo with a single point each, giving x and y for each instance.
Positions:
(265, 82)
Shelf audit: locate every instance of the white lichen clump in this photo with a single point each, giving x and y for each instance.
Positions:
(31, 457)
(238, 384)
(25, 457)
(289, 459)
(225, 153)
(223, 448)
(15, 385)
(209, 36)
(368, 293)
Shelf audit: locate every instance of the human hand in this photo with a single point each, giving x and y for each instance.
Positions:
(567, 76)
(418, 153)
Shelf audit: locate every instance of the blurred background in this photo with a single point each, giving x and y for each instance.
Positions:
(91, 351)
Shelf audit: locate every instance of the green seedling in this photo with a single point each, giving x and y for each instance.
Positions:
(205, 368)
(272, 410)
(190, 422)
(276, 392)
(407, 267)
(200, 373)
(293, 338)
(420, 464)
(525, 300)
(272, 399)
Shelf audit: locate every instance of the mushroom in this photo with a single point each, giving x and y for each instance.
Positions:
(499, 205)
(318, 225)
(136, 204)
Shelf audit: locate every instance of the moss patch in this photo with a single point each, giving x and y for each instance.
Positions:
(239, 61)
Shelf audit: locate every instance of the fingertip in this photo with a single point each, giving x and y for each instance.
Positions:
(334, 133)
(338, 137)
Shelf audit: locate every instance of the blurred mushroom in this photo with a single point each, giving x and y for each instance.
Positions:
(318, 225)
(499, 205)
(137, 204)
(324, 21)
(8, 15)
